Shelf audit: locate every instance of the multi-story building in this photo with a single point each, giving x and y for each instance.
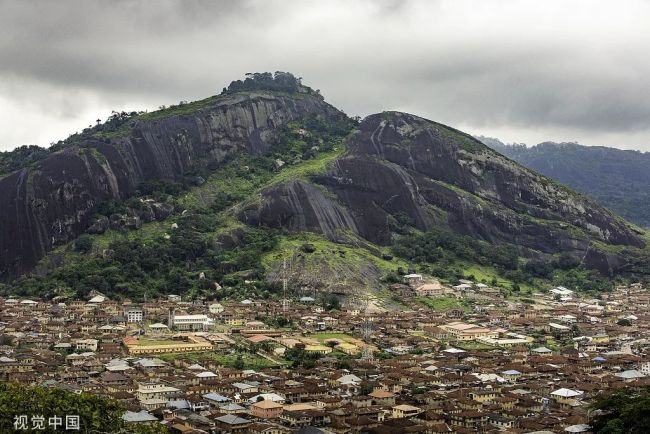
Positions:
(134, 314)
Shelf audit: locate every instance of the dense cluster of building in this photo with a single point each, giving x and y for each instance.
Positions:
(488, 363)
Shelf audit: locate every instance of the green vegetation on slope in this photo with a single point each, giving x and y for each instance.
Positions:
(346, 267)
(440, 251)
(20, 157)
(442, 303)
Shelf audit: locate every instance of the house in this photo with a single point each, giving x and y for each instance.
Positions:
(86, 344)
(511, 375)
(231, 424)
(296, 419)
(142, 416)
(561, 291)
(216, 399)
(431, 290)
(382, 397)
(148, 391)
(461, 331)
(484, 395)
(405, 411)
(231, 408)
(266, 409)
(630, 375)
(246, 387)
(567, 397)
(266, 428)
(216, 308)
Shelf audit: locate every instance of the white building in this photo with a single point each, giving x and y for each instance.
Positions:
(561, 291)
(191, 322)
(86, 344)
(216, 308)
(148, 391)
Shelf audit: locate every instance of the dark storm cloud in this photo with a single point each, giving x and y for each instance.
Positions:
(526, 71)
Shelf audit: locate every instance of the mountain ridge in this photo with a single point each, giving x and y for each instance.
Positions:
(265, 165)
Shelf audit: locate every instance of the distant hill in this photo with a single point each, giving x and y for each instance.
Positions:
(617, 179)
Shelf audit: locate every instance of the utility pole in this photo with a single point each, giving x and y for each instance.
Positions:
(285, 300)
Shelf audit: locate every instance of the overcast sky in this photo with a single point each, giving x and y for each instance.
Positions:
(524, 71)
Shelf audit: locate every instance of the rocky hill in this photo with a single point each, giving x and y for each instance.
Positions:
(53, 200)
(213, 194)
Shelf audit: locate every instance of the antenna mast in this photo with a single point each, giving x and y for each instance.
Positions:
(366, 331)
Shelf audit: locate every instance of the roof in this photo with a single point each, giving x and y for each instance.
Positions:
(141, 416)
(578, 428)
(191, 317)
(231, 407)
(566, 393)
(267, 397)
(630, 374)
(150, 362)
(349, 378)
(405, 407)
(453, 350)
(266, 404)
(381, 394)
(216, 397)
(259, 338)
(179, 403)
(313, 430)
(231, 419)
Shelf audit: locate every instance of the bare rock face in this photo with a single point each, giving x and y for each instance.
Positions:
(52, 203)
(300, 206)
(402, 164)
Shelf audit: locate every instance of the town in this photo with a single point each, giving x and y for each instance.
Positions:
(455, 359)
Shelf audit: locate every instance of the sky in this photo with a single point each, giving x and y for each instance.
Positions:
(522, 71)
